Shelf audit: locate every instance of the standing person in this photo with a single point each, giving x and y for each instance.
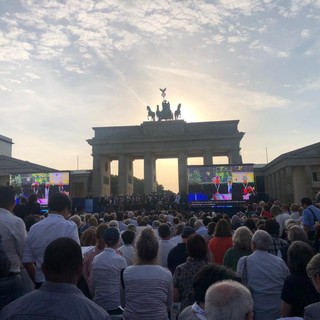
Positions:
(264, 273)
(178, 254)
(44, 232)
(183, 276)
(312, 311)
(293, 302)
(165, 244)
(33, 206)
(58, 297)
(13, 233)
(241, 247)
(310, 215)
(106, 268)
(127, 249)
(221, 241)
(147, 286)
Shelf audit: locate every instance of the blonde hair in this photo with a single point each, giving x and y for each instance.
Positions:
(242, 238)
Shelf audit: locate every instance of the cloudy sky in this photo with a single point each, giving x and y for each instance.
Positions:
(67, 66)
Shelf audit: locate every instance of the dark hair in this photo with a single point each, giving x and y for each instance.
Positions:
(196, 247)
(62, 258)
(128, 236)
(272, 227)
(250, 223)
(33, 198)
(7, 196)
(147, 245)
(164, 230)
(209, 275)
(222, 229)
(120, 216)
(306, 201)
(211, 226)
(299, 254)
(59, 202)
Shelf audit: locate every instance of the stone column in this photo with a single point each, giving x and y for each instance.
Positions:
(207, 158)
(182, 168)
(125, 174)
(289, 185)
(234, 156)
(282, 185)
(150, 184)
(308, 182)
(273, 191)
(101, 176)
(277, 193)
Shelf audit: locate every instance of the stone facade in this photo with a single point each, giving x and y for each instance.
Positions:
(155, 140)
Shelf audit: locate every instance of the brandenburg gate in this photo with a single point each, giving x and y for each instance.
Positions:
(154, 140)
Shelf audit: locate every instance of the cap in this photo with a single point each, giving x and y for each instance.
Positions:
(187, 232)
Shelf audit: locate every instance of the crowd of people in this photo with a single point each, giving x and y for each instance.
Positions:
(262, 263)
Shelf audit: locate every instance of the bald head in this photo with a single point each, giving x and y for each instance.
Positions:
(228, 300)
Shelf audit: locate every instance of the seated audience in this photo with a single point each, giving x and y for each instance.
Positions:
(127, 250)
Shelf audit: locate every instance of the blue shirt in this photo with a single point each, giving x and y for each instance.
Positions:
(54, 301)
(308, 217)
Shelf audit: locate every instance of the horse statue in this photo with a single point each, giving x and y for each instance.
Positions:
(165, 113)
(151, 114)
(177, 113)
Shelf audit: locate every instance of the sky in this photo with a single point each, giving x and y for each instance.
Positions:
(70, 65)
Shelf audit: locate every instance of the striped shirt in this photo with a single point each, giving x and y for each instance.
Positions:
(148, 292)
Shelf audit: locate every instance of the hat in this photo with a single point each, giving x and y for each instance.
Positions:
(111, 235)
(187, 232)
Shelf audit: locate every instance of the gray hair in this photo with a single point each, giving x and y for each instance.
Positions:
(242, 238)
(262, 240)
(313, 267)
(228, 300)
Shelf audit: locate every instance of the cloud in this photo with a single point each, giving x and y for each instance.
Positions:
(305, 34)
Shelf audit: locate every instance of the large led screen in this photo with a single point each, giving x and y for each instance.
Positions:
(221, 183)
(41, 184)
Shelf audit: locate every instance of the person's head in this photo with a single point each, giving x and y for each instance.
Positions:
(114, 224)
(128, 237)
(132, 227)
(62, 261)
(88, 237)
(230, 300)
(111, 237)
(295, 233)
(272, 227)
(211, 226)
(187, 231)
(60, 203)
(275, 210)
(164, 231)
(313, 271)
(92, 222)
(261, 240)
(147, 246)
(294, 207)
(120, 216)
(23, 200)
(242, 238)
(7, 198)
(299, 254)
(207, 276)
(76, 219)
(179, 229)
(306, 202)
(99, 234)
(222, 229)
(198, 224)
(196, 247)
(33, 198)
(250, 223)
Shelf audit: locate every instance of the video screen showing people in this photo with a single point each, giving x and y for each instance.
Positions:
(222, 183)
(41, 184)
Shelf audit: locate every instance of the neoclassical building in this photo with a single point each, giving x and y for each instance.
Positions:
(155, 140)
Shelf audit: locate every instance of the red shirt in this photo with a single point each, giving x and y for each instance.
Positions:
(218, 247)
